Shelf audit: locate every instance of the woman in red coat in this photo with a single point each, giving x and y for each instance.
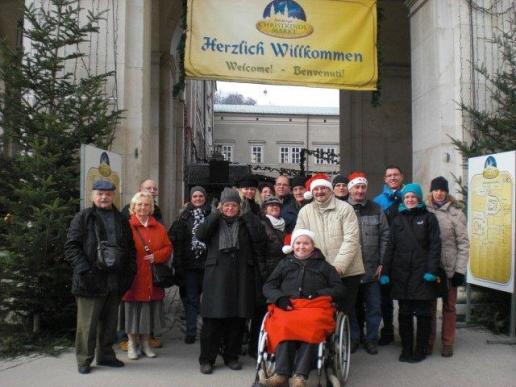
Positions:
(143, 300)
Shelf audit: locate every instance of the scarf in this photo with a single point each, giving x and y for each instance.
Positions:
(228, 234)
(198, 247)
(277, 223)
(439, 204)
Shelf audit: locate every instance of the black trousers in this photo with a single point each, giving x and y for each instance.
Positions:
(295, 357)
(221, 332)
(387, 311)
(351, 284)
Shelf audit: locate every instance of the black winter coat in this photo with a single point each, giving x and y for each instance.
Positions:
(289, 212)
(414, 249)
(273, 252)
(231, 278)
(180, 234)
(81, 252)
(308, 278)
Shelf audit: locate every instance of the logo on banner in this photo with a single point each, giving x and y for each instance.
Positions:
(284, 19)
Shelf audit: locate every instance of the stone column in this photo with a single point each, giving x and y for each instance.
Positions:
(134, 70)
(439, 36)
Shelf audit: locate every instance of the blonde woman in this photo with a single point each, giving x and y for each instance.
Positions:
(143, 300)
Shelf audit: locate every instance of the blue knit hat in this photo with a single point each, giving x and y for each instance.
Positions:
(415, 188)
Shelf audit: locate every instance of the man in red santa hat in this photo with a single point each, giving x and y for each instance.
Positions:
(337, 234)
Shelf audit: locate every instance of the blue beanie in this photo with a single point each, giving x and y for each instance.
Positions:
(414, 188)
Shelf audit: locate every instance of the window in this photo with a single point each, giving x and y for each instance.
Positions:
(290, 155)
(284, 155)
(295, 155)
(257, 154)
(226, 151)
(326, 152)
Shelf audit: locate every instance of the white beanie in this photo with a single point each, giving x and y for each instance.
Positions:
(317, 183)
(287, 249)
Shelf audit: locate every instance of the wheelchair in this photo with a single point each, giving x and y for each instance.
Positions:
(333, 355)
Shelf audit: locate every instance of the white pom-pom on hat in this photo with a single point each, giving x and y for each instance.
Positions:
(308, 195)
(287, 249)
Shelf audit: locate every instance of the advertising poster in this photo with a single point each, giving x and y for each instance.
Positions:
(99, 164)
(491, 212)
(321, 43)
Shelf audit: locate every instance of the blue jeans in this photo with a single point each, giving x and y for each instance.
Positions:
(370, 298)
(192, 299)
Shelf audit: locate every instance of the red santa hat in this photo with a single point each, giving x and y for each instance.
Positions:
(291, 238)
(317, 180)
(357, 178)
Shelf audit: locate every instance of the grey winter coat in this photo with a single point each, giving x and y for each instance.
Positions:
(454, 237)
(230, 278)
(374, 236)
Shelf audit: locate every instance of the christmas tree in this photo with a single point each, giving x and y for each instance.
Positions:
(46, 113)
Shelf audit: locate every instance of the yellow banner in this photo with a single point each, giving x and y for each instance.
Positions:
(321, 43)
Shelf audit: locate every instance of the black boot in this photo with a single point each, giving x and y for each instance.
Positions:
(424, 328)
(406, 329)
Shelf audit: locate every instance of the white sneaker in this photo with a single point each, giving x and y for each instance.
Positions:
(132, 351)
(147, 350)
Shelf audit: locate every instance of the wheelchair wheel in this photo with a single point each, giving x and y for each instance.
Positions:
(265, 361)
(341, 348)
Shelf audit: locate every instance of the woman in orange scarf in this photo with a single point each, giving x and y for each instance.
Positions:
(300, 291)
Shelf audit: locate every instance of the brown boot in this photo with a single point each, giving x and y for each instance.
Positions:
(276, 380)
(447, 351)
(298, 381)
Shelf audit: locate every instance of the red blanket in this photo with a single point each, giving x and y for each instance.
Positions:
(310, 321)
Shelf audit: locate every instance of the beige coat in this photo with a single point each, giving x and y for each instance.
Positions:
(337, 234)
(454, 237)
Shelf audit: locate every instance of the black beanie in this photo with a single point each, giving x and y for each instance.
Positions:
(340, 179)
(248, 181)
(298, 181)
(439, 183)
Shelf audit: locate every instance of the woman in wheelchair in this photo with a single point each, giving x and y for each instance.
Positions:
(300, 291)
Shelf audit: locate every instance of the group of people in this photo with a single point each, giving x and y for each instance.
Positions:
(300, 242)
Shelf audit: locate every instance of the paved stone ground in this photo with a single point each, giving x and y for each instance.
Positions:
(476, 362)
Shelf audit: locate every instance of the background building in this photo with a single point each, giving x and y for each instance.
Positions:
(272, 137)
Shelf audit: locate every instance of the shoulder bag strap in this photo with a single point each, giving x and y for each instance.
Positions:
(145, 246)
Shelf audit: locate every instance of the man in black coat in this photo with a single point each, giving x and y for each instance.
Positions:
(98, 291)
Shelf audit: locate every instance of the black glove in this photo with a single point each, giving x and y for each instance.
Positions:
(284, 303)
(457, 280)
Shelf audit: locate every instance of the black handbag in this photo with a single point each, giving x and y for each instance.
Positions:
(109, 255)
(162, 273)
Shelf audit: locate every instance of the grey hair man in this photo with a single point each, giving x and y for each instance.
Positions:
(98, 290)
